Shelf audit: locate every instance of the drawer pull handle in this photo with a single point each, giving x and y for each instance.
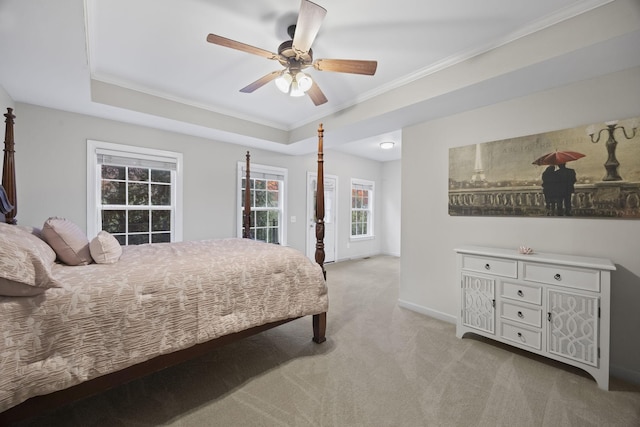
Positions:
(487, 267)
(520, 293)
(521, 337)
(520, 315)
(557, 276)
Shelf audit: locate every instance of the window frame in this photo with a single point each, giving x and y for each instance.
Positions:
(282, 199)
(94, 178)
(370, 217)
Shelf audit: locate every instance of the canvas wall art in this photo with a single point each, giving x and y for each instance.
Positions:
(590, 171)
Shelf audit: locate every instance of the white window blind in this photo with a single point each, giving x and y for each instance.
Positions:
(106, 157)
(275, 176)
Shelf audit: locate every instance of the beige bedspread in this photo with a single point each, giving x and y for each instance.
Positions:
(156, 299)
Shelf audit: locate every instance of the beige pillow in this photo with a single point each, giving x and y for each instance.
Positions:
(25, 263)
(67, 240)
(105, 249)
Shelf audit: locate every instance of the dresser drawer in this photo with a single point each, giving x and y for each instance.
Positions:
(573, 277)
(525, 315)
(522, 336)
(488, 265)
(525, 293)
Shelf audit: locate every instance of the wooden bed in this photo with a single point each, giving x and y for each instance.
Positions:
(43, 403)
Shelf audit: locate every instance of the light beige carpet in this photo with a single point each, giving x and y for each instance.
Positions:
(381, 366)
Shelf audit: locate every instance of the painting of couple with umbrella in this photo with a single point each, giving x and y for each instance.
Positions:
(558, 181)
(588, 171)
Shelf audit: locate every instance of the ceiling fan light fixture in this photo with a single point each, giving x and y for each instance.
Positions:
(284, 82)
(304, 81)
(294, 85)
(296, 90)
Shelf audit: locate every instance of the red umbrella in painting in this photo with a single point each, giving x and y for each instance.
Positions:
(558, 158)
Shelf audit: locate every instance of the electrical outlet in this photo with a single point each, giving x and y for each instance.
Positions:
(293, 219)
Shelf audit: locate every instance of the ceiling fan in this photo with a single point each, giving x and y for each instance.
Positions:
(295, 55)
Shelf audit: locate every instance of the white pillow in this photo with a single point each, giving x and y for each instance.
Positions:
(105, 249)
(67, 240)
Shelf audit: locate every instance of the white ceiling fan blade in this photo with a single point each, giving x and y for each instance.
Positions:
(309, 21)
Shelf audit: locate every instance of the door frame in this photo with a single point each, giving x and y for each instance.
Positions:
(311, 252)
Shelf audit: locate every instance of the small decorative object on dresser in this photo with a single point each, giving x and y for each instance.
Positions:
(554, 305)
(525, 250)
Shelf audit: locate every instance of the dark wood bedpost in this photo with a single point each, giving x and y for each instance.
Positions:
(246, 215)
(320, 320)
(8, 168)
(320, 203)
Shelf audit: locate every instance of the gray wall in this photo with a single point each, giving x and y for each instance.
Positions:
(429, 234)
(5, 100)
(391, 206)
(51, 175)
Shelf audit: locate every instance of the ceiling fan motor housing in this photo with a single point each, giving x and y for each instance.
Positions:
(293, 59)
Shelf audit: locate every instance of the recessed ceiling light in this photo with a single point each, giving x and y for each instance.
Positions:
(387, 145)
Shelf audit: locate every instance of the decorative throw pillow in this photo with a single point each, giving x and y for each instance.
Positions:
(67, 240)
(105, 249)
(25, 263)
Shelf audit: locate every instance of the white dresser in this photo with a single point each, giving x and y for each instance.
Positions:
(550, 304)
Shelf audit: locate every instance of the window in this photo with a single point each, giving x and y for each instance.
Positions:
(361, 209)
(133, 193)
(268, 186)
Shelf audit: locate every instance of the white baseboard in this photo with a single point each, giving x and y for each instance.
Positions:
(391, 253)
(428, 311)
(366, 256)
(356, 257)
(625, 374)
